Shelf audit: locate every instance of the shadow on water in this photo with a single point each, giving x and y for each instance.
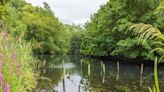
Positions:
(80, 74)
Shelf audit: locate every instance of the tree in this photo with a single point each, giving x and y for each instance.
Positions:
(105, 33)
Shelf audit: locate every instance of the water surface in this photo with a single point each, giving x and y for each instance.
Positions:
(80, 74)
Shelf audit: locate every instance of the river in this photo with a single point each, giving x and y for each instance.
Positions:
(80, 74)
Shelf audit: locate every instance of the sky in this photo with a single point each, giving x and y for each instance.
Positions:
(72, 11)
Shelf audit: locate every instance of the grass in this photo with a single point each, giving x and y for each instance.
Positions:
(16, 62)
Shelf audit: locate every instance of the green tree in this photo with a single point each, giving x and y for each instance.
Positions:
(105, 33)
(37, 24)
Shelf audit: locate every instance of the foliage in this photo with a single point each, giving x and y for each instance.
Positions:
(148, 32)
(43, 30)
(105, 33)
(16, 72)
(38, 24)
(133, 48)
(74, 34)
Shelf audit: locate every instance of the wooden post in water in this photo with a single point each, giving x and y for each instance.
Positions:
(81, 68)
(141, 74)
(63, 85)
(101, 65)
(89, 83)
(79, 88)
(63, 76)
(103, 68)
(118, 70)
(89, 78)
(103, 72)
(103, 79)
(89, 70)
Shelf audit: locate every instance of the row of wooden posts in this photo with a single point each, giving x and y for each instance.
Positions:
(103, 73)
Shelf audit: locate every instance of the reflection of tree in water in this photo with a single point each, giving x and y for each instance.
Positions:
(76, 59)
(118, 76)
(54, 76)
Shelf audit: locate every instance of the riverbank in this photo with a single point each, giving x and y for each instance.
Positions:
(107, 59)
(16, 65)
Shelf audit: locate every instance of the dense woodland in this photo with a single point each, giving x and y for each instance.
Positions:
(124, 28)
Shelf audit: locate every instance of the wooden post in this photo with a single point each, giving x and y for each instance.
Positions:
(103, 71)
(81, 68)
(63, 85)
(101, 65)
(103, 68)
(141, 74)
(103, 79)
(89, 69)
(79, 88)
(63, 76)
(118, 70)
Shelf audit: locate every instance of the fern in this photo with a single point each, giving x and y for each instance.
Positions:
(147, 31)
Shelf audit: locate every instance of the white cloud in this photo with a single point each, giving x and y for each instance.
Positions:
(72, 11)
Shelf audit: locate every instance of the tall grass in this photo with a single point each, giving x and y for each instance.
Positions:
(16, 62)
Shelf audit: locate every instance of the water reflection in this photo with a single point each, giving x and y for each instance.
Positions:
(79, 74)
(118, 70)
(141, 74)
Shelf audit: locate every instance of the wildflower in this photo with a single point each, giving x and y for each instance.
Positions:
(1, 80)
(1, 64)
(13, 56)
(2, 59)
(7, 87)
(4, 39)
(11, 46)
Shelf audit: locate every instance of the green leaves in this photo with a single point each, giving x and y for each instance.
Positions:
(130, 48)
(148, 32)
(105, 33)
(38, 25)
